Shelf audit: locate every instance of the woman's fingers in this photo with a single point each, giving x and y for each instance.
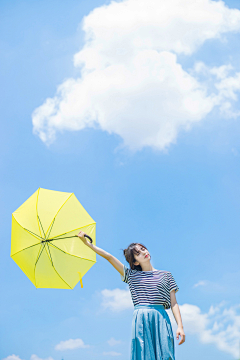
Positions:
(181, 333)
(182, 341)
(81, 234)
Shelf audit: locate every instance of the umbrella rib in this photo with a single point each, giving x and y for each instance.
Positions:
(54, 266)
(34, 233)
(62, 250)
(65, 237)
(42, 227)
(25, 249)
(55, 238)
(50, 229)
(37, 211)
(60, 209)
(79, 257)
(38, 257)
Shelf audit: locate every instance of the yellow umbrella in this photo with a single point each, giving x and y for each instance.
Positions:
(44, 242)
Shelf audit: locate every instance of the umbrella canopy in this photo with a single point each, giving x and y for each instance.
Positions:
(44, 242)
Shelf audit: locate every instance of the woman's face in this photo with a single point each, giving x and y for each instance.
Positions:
(142, 255)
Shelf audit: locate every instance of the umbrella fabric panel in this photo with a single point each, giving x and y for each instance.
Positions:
(46, 274)
(21, 238)
(49, 267)
(54, 200)
(70, 216)
(67, 266)
(71, 244)
(26, 214)
(26, 260)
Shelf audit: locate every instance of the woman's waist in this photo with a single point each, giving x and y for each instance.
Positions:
(149, 306)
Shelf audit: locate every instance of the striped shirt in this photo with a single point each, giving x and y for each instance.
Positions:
(150, 287)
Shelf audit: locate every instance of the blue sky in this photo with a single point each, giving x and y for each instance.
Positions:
(175, 189)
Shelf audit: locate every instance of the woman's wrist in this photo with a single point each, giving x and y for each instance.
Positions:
(97, 250)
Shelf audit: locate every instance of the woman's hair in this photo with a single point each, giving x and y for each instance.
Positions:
(129, 255)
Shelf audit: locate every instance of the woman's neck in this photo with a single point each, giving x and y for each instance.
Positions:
(147, 267)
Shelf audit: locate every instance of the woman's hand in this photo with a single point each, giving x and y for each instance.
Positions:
(81, 236)
(182, 334)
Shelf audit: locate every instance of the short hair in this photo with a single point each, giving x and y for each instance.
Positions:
(129, 255)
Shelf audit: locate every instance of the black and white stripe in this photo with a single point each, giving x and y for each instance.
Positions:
(150, 287)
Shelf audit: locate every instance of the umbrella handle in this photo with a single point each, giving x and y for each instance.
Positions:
(86, 236)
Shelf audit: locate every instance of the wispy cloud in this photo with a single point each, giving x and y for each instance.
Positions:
(71, 344)
(200, 283)
(219, 326)
(224, 286)
(35, 357)
(116, 299)
(210, 286)
(113, 342)
(111, 353)
(131, 82)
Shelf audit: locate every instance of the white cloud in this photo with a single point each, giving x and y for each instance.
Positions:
(111, 353)
(71, 344)
(131, 83)
(219, 326)
(113, 342)
(227, 86)
(12, 357)
(116, 300)
(200, 283)
(221, 72)
(35, 357)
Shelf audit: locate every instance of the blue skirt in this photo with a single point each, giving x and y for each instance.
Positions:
(152, 336)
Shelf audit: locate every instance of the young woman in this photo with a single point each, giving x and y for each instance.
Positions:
(152, 292)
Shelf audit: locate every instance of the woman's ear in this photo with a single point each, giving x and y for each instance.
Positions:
(136, 263)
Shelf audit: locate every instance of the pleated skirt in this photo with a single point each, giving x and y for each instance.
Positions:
(152, 335)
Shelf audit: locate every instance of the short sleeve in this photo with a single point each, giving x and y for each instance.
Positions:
(125, 276)
(172, 283)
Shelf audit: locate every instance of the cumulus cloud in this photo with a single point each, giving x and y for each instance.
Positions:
(12, 357)
(131, 83)
(71, 344)
(116, 300)
(219, 326)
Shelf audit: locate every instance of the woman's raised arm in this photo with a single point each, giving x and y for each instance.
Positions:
(114, 261)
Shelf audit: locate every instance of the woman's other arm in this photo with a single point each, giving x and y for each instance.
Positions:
(114, 261)
(177, 315)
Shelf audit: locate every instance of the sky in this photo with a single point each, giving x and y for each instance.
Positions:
(134, 107)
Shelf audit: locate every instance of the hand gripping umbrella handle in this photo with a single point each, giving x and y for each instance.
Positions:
(86, 236)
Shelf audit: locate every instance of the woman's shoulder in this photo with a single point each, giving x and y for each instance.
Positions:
(155, 271)
(136, 271)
